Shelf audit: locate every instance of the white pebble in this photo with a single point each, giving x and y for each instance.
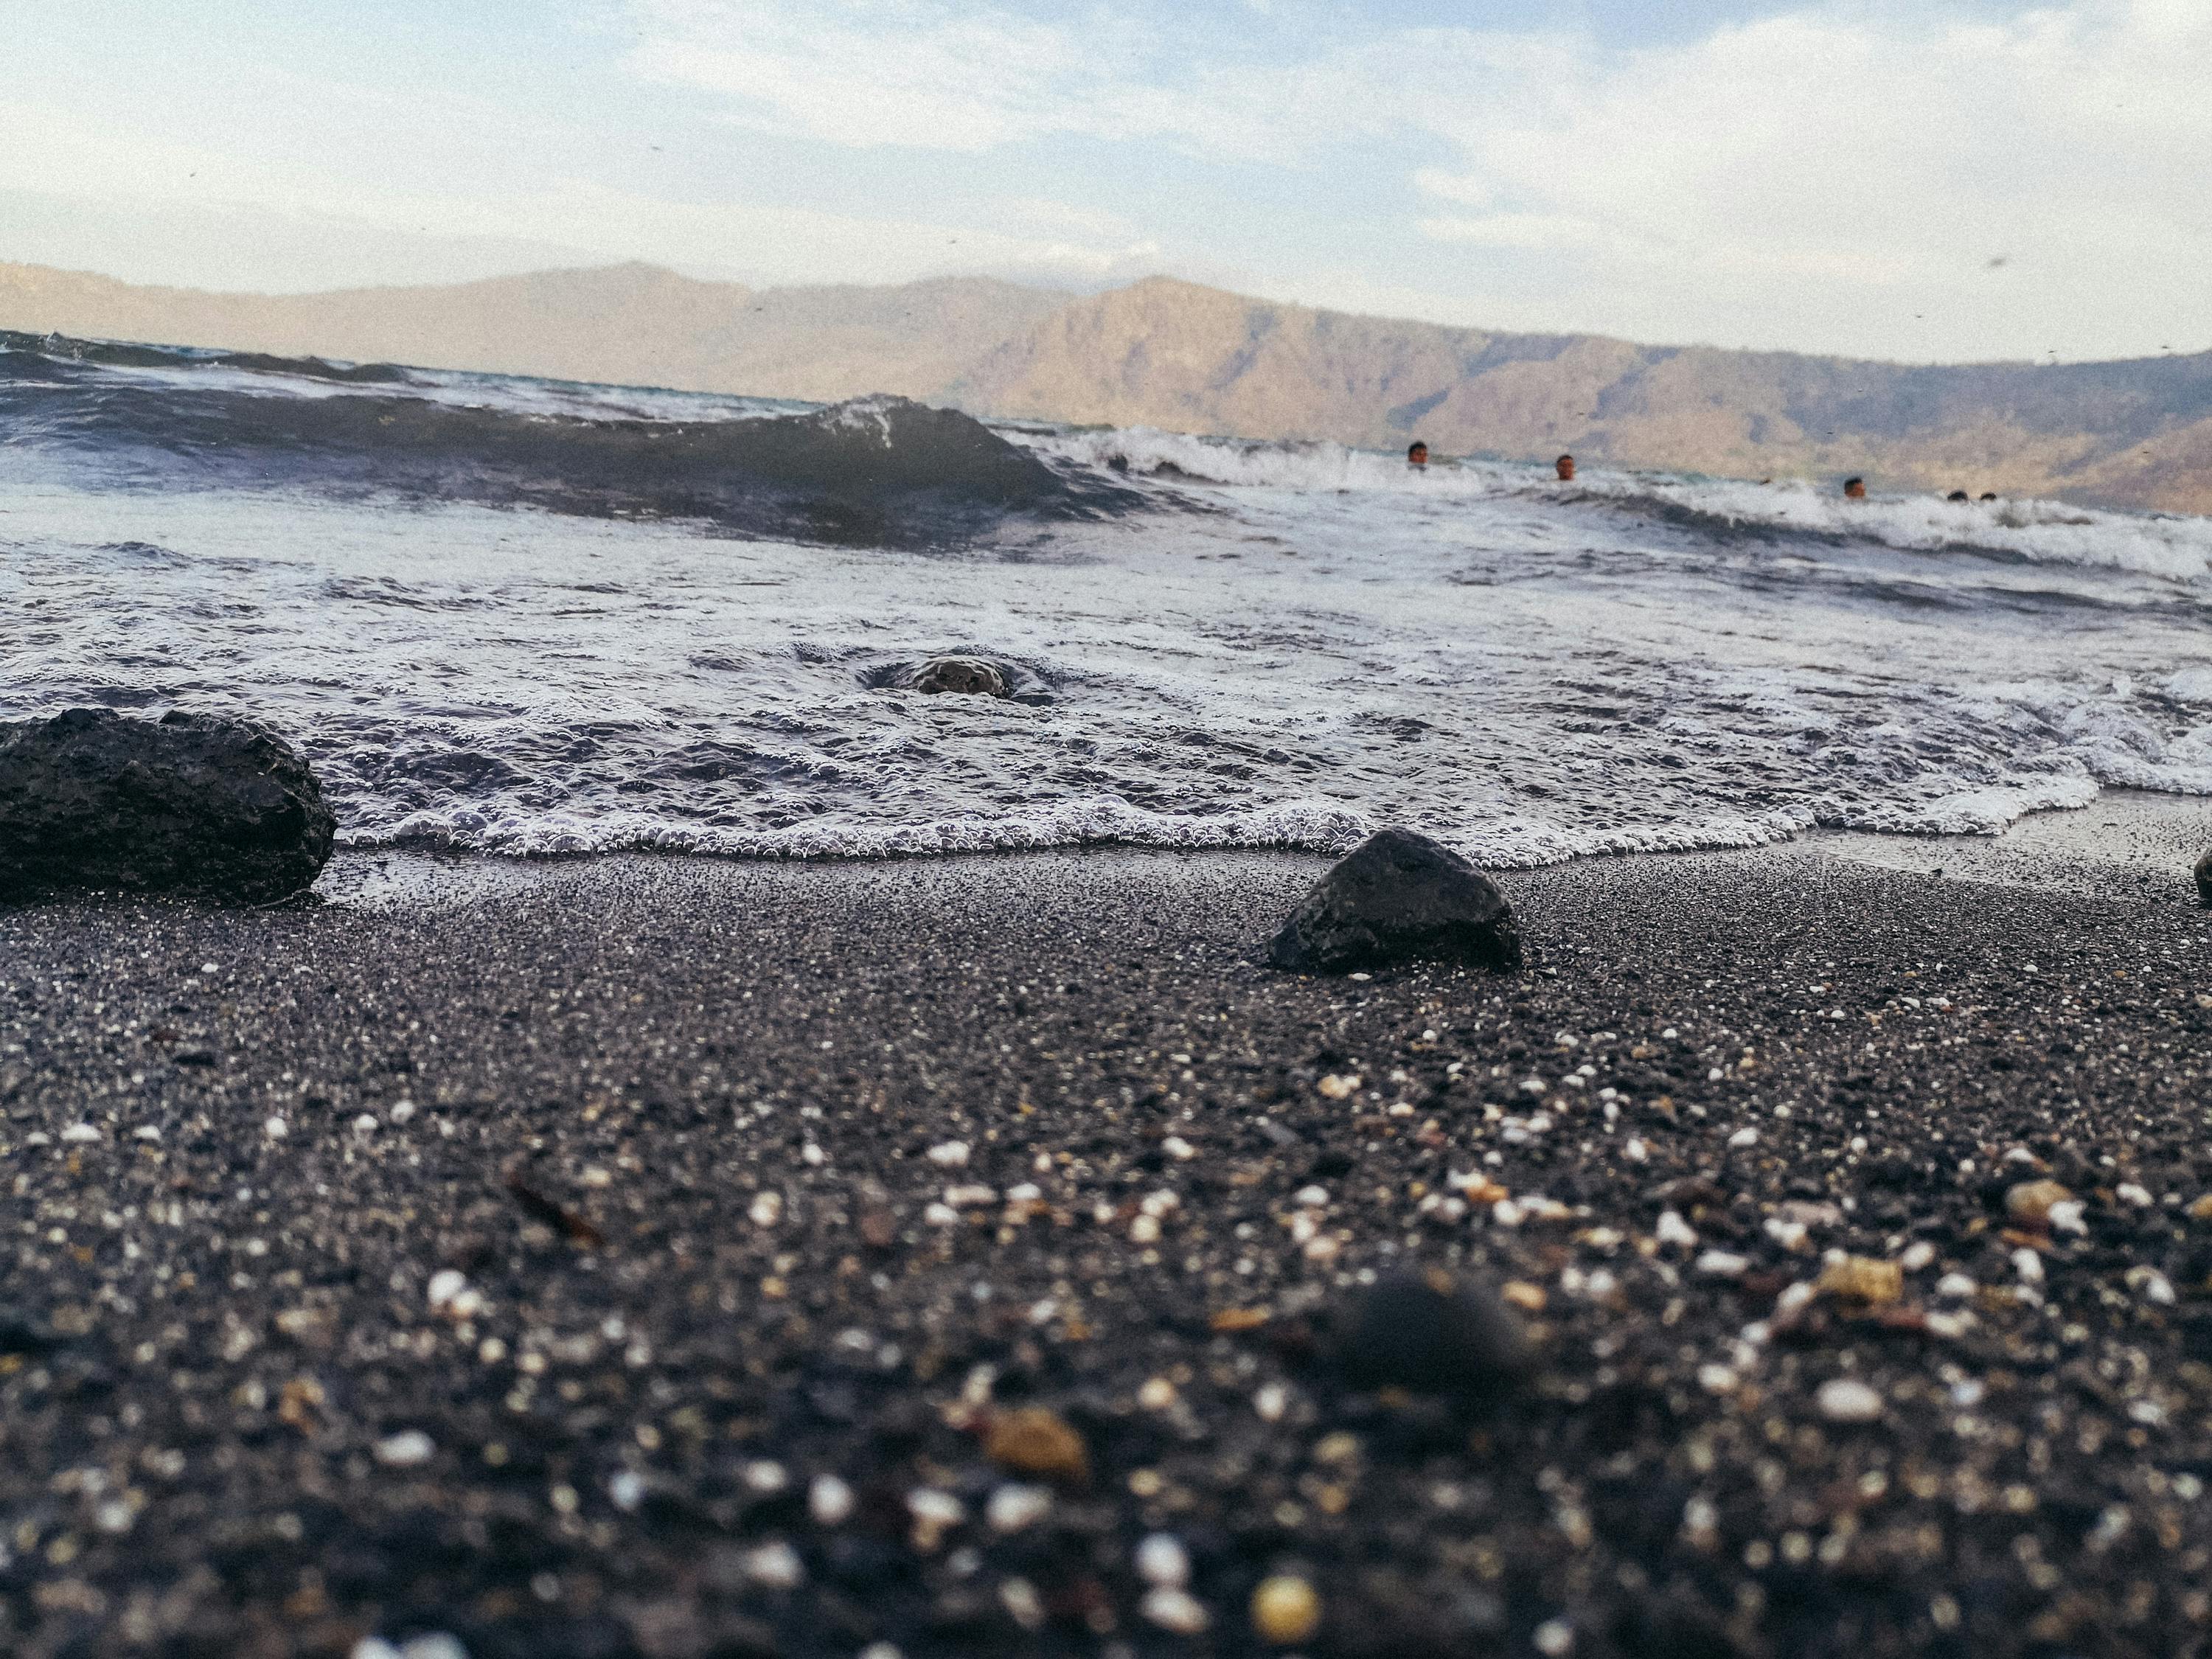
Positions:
(437, 1645)
(374, 1647)
(1721, 1264)
(1955, 1286)
(276, 1128)
(1635, 1150)
(402, 1110)
(365, 1124)
(405, 1449)
(776, 1566)
(766, 1476)
(767, 1209)
(2029, 1265)
(1744, 1138)
(2153, 1285)
(78, 1133)
(147, 1131)
(950, 1154)
(829, 1501)
(627, 1489)
(927, 1503)
(1554, 1638)
(1162, 1560)
(1012, 1507)
(1847, 1400)
(1176, 1610)
(1916, 1255)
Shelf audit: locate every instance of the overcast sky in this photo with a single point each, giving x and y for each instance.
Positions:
(1946, 179)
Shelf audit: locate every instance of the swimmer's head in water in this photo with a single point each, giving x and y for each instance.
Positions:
(1958, 496)
(1417, 453)
(1565, 466)
(1988, 494)
(1856, 488)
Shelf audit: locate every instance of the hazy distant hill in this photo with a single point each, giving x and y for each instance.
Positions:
(1171, 354)
(632, 324)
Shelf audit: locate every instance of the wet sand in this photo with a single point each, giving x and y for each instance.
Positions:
(724, 1324)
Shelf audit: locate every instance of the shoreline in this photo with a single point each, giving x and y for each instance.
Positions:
(2125, 844)
(245, 1413)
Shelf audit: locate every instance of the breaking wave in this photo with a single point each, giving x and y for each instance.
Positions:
(531, 617)
(1782, 514)
(876, 470)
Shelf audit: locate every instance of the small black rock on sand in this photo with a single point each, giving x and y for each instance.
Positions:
(663, 1259)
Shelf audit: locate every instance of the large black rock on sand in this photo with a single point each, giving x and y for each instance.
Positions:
(192, 803)
(2204, 881)
(1399, 897)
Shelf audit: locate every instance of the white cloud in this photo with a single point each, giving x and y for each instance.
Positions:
(200, 198)
(939, 75)
(1821, 177)
(1838, 177)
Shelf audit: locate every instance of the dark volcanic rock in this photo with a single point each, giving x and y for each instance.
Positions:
(1431, 1333)
(969, 675)
(192, 803)
(1399, 897)
(2205, 880)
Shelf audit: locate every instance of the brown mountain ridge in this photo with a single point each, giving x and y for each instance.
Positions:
(1175, 355)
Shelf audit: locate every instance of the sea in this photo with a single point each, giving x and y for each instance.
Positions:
(524, 617)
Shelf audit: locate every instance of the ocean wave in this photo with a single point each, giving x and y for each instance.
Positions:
(1779, 515)
(872, 471)
(712, 642)
(117, 353)
(2029, 531)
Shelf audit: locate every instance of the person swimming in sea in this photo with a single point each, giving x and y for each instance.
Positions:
(1564, 466)
(1855, 489)
(1417, 454)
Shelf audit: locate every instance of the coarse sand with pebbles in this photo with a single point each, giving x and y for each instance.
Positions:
(679, 1259)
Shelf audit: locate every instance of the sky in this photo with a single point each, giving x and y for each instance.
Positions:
(1942, 180)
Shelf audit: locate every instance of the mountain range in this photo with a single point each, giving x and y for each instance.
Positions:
(1175, 355)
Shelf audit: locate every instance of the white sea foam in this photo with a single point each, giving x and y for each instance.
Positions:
(1331, 642)
(2041, 531)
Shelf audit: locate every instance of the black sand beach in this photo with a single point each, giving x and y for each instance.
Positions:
(727, 1330)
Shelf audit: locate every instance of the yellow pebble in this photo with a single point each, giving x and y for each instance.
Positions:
(2032, 1201)
(1285, 1611)
(1864, 1279)
(1529, 1298)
